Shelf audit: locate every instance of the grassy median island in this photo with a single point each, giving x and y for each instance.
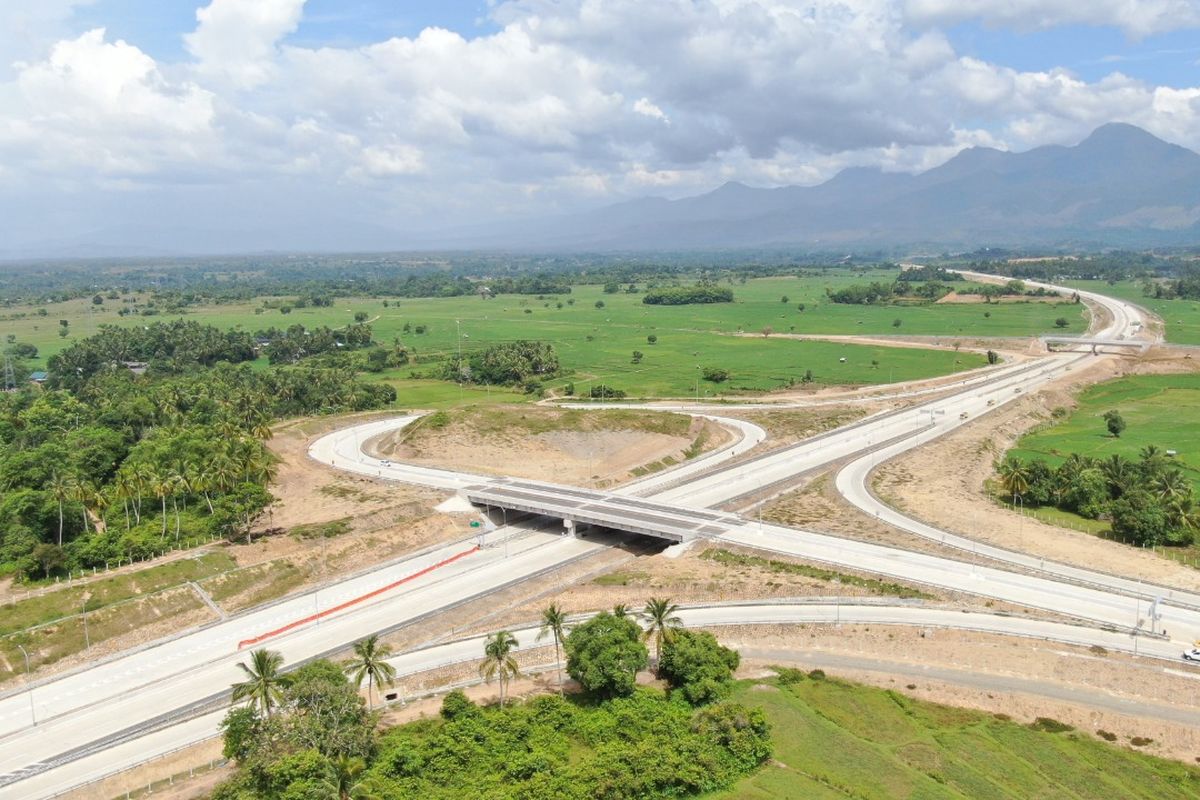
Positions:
(835, 740)
(549, 443)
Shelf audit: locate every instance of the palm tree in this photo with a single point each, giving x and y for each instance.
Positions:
(1171, 484)
(344, 781)
(162, 486)
(82, 493)
(554, 621)
(620, 610)
(60, 488)
(123, 488)
(660, 614)
(498, 661)
(264, 684)
(369, 663)
(1014, 475)
(1118, 473)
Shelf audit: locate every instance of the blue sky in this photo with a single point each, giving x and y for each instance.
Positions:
(361, 120)
(1168, 59)
(158, 25)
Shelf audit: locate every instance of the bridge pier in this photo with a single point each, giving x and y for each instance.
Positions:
(568, 527)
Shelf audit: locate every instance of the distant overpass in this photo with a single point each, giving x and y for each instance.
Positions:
(590, 507)
(1094, 343)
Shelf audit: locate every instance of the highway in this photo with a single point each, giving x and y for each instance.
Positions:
(82, 716)
(823, 611)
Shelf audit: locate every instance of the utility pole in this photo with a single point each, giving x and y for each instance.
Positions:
(28, 680)
(87, 639)
(10, 379)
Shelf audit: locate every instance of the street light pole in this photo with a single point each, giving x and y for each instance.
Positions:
(87, 639)
(29, 679)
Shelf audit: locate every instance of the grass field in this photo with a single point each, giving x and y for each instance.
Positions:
(596, 344)
(1182, 317)
(1155, 409)
(836, 740)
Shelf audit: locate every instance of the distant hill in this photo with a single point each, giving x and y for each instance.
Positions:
(1120, 186)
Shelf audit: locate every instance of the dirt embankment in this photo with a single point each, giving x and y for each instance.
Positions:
(585, 448)
(944, 482)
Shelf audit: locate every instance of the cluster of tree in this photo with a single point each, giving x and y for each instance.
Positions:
(297, 342)
(1111, 266)
(1148, 501)
(167, 348)
(928, 273)
(863, 294)
(121, 466)
(505, 364)
(308, 734)
(990, 291)
(688, 295)
(1185, 287)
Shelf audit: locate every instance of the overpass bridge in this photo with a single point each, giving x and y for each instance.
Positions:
(1095, 343)
(576, 506)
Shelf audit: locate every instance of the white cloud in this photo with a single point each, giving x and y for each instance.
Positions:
(647, 109)
(1137, 18)
(235, 39)
(94, 105)
(568, 102)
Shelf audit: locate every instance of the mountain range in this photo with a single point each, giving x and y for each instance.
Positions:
(1120, 186)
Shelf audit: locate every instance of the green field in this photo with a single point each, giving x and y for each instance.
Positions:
(595, 345)
(835, 740)
(1182, 317)
(1159, 410)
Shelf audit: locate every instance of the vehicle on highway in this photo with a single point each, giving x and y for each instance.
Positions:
(1192, 654)
(963, 415)
(385, 463)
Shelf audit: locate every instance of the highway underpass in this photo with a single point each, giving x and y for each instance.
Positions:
(1095, 343)
(575, 506)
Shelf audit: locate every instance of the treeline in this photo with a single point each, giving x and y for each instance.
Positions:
(167, 348)
(906, 289)
(308, 734)
(1186, 287)
(296, 341)
(688, 295)
(505, 364)
(1148, 501)
(1112, 266)
(117, 465)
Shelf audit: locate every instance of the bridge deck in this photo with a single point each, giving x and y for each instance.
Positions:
(1092, 342)
(631, 514)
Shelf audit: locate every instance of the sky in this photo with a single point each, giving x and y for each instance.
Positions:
(352, 124)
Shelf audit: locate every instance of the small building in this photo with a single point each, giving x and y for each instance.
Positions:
(38, 377)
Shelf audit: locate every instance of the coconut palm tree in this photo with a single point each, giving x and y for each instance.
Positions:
(1014, 475)
(345, 781)
(61, 487)
(82, 493)
(1118, 473)
(1171, 485)
(620, 610)
(162, 486)
(659, 613)
(264, 684)
(369, 663)
(123, 489)
(498, 661)
(554, 622)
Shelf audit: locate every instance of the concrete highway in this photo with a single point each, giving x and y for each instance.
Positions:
(83, 715)
(824, 611)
